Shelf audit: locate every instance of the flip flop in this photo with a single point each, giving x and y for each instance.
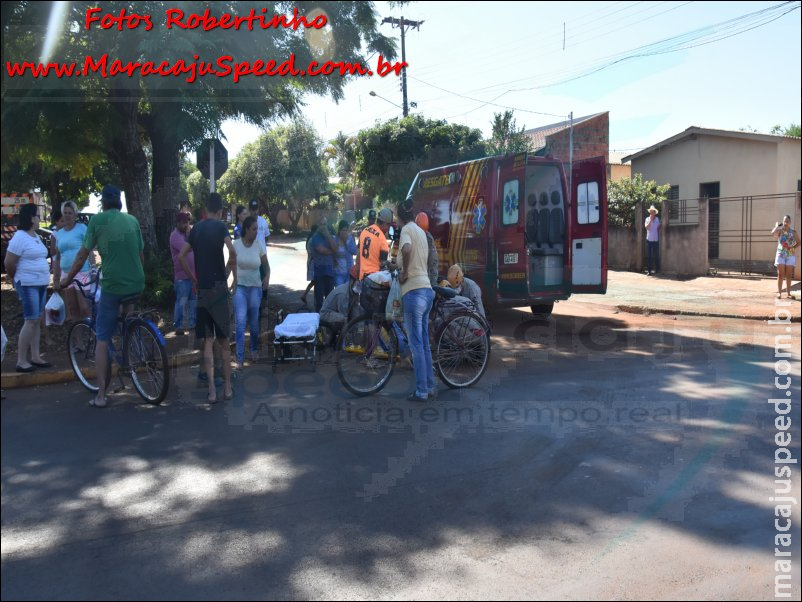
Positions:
(228, 396)
(94, 404)
(211, 400)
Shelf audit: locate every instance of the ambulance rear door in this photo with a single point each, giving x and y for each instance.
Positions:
(588, 230)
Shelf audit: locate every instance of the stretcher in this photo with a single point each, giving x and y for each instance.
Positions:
(295, 339)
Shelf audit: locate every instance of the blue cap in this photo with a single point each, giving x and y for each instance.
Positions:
(111, 192)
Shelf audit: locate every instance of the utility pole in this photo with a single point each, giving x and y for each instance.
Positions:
(403, 24)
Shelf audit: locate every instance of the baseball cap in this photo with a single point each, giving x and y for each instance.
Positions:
(111, 192)
(253, 204)
(386, 215)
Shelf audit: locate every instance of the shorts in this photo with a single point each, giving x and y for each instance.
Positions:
(108, 310)
(32, 299)
(780, 260)
(213, 314)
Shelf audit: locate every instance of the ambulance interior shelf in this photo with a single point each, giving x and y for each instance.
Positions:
(545, 224)
(545, 237)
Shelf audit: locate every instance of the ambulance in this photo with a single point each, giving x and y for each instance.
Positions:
(512, 225)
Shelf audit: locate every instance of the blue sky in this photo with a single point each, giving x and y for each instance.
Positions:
(466, 55)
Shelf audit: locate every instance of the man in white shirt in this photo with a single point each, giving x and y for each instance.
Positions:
(652, 226)
(417, 295)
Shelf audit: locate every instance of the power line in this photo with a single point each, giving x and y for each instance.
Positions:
(683, 41)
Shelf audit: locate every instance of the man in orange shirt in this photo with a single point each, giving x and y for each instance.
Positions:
(373, 246)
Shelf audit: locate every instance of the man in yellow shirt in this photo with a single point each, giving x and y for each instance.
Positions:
(373, 246)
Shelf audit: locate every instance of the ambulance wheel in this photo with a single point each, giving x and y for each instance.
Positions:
(542, 310)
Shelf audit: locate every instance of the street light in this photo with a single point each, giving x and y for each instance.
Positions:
(414, 105)
(372, 93)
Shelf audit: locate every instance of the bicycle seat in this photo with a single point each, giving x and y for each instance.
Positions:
(130, 299)
(445, 292)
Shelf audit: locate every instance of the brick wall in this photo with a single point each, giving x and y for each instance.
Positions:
(591, 139)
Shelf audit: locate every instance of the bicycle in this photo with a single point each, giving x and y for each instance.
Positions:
(367, 348)
(142, 357)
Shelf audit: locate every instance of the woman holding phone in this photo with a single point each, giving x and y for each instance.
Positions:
(785, 259)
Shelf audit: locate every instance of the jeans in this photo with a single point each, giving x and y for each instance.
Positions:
(184, 298)
(340, 278)
(323, 286)
(417, 305)
(652, 249)
(32, 299)
(246, 308)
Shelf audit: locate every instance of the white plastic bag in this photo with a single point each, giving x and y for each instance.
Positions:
(393, 310)
(383, 277)
(55, 311)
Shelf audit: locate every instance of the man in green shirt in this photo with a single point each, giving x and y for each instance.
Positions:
(118, 239)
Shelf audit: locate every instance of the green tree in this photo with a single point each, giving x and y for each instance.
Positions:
(197, 189)
(506, 138)
(283, 169)
(342, 152)
(792, 130)
(625, 194)
(305, 178)
(169, 114)
(389, 154)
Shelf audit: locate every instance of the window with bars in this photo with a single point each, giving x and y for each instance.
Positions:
(681, 212)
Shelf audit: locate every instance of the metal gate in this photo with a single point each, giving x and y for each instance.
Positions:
(739, 231)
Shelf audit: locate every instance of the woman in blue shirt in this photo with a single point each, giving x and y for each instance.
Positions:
(344, 257)
(66, 243)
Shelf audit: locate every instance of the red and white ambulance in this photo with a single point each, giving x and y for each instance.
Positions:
(512, 225)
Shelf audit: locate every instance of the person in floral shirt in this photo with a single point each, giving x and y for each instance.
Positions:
(785, 260)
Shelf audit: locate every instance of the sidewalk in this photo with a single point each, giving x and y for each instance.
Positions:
(721, 296)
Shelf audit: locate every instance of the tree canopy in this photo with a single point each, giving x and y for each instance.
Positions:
(389, 154)
(282, 169)
(791, 130)
(119, 117)
(506, 138)
(625, 194)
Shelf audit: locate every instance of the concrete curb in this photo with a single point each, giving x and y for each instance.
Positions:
(282, 246)
(642, 310)
(16, 380)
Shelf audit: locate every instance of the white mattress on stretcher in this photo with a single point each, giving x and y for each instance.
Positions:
(300, 326)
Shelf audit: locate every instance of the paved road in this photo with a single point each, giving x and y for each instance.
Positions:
(604, 455)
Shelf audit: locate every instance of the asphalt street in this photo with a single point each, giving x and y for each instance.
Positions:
(603, 455)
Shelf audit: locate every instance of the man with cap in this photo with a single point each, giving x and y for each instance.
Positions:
(465, 287)
(184, 292)
(263, 231)
(371, 217)
(118, 239)
(373, 246)
(652, 226)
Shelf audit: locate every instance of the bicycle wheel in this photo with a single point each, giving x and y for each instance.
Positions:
(146, 357)
(366, 354)
(461, 349)
(81, 345)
